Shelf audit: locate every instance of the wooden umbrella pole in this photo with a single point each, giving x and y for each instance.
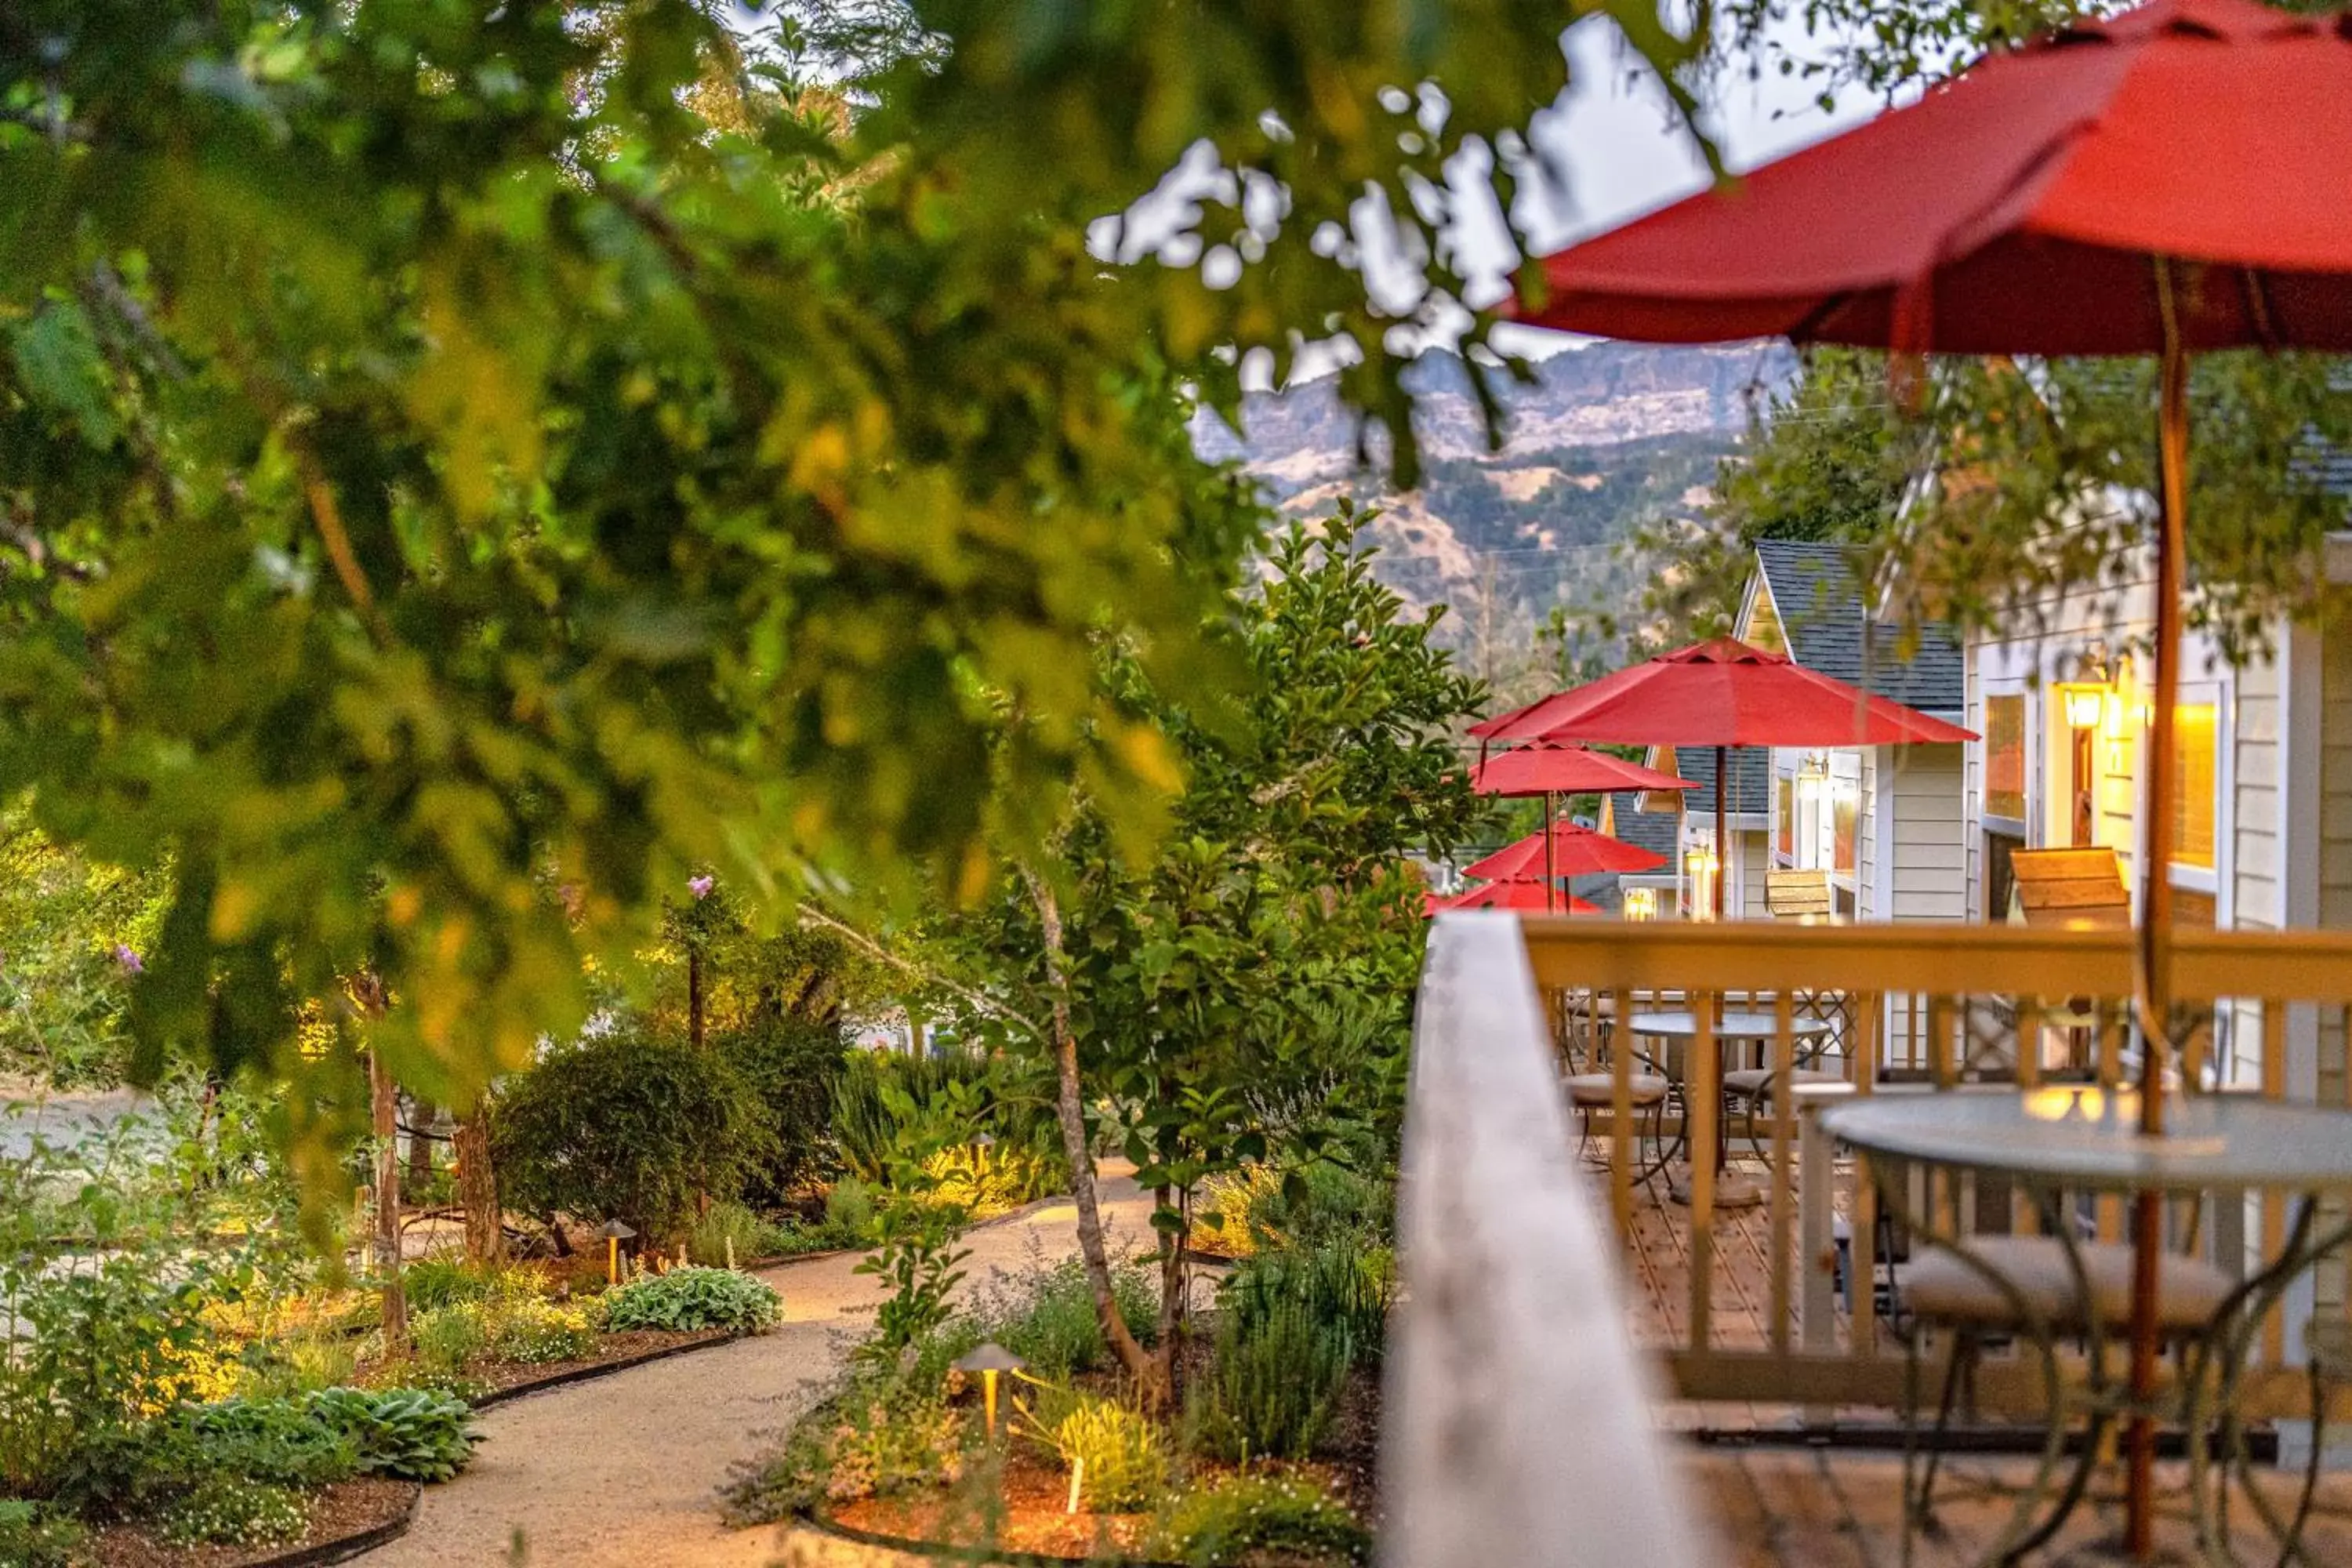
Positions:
(1722, 857)
(2154, 955)
(1551, 872)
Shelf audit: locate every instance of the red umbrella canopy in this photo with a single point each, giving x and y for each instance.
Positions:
(2018, 208)
(1721, 693)
(1552, 767)
(1518, 894)
(1575, 852)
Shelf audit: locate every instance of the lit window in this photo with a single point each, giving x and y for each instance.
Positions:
(2196, 783)
(1845, 808)
(2004, 753)
(1784, 828)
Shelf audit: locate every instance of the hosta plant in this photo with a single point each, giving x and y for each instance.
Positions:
(688, 1298)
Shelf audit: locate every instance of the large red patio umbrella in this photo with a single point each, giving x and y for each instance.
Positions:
(1721, 693)
(1569, 849)
(2157, 183)
(1550, 769)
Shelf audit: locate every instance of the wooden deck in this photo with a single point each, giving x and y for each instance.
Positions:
(1815, 1508)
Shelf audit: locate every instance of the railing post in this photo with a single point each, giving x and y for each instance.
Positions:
(1817, 1228)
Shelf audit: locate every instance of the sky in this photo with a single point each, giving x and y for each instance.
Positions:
(1625, 156)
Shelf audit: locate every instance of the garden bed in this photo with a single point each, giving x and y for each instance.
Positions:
(498, 1382)
(346, 1518)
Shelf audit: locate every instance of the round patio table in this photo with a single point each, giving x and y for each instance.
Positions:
(1738, 1027)
(2082, 1140)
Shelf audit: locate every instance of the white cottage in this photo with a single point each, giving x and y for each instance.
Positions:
(1884, 823)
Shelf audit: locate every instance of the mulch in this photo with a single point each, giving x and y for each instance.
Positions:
(342, 1516)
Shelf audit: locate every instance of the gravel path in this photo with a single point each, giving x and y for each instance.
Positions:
(622, 1472)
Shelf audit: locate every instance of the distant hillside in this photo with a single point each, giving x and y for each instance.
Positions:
(1609, 438)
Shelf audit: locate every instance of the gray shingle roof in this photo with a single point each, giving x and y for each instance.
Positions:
(1829, 631)
(1659, 832)
(1747, 777)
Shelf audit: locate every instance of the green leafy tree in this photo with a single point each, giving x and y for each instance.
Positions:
(466, 465)
(1242, 992)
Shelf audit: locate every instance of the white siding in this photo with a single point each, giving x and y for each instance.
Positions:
(1921, 787)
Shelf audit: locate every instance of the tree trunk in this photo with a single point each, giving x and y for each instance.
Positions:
(1171, 1285)
(1070, 1107)
(385, 1100)
(478, 1189)
(421, 1118)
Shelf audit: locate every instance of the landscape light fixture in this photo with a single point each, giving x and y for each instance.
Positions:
(614, 1232)
(991, 1360)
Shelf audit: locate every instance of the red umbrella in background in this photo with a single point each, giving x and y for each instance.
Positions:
(1721, 693)
(2160, 182)
(1517, 893)
(1550, 769)
(1555, 767)
(1569, 849)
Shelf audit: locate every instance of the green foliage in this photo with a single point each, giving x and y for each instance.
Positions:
(1047, 1317)
(1247, 988)
(687, 1299)
(1126, 1461)
(408, 1433)
(280, 1441)
(460, 453)
(231, 1510)
(728, 1233)
(1291, 1327)
(66, 923)
(882, 1099)
(849, 1212)
(121, 1251)
(879, 1447)
(919, 1262)
(1234, 1518)
(33, 1537)
(789, 1064)
(625, 1125)
(522, 1330)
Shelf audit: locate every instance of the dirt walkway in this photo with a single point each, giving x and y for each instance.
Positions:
(623, 1472)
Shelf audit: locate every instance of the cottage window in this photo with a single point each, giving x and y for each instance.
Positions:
(2004, 755)
(2196, 783)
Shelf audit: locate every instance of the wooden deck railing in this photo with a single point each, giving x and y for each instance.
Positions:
(1519, 1424)
(1920, 1009)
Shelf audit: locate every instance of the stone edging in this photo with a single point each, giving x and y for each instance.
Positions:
(589, 1373)
(940, 1551)
(349, 1546)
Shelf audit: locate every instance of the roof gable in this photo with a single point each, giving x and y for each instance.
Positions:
(1829, 630)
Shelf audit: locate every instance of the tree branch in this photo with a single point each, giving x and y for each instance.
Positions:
(810, 915)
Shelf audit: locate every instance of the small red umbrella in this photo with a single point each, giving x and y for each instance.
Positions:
(1568, 850)
(1721, 693)
(2158, 182)
(1518, 893)
(1556, 767)
(1552, 768)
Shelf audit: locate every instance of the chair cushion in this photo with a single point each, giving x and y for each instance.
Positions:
(1600, 1088)
(1750, 1081)
(1939, 1286)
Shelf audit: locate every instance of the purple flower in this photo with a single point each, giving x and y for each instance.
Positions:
(700, 886)
(129, 960)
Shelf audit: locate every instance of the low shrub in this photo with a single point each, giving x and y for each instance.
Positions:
(1233, 1520)
(849, 1213)
(300, 1363)
(628, 1125)
(729, 1234)
(884, 1446)
(688, 1298)
(281, 1441)
(534, 1332)
(32, 1537)
(789, 1064)
(408, 1433)
(1291, 1327)
(987, 1179)
(231, 1511)
(446, 1337)
(1125, 1465)
(432, 1283)
(1047, 1316)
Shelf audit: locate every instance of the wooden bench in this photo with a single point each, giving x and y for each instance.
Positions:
(2068, 887)
(1797, 895)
